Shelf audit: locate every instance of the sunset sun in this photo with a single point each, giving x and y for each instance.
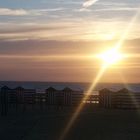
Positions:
(110, 57)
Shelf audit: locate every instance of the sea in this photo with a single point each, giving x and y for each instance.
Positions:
(73, 85)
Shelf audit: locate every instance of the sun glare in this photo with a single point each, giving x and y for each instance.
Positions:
(110, 57)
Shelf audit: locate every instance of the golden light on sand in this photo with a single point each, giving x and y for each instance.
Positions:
(111, 56)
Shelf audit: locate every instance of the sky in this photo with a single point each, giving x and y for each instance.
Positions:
(56, 40)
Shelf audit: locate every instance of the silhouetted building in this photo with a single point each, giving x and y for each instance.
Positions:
(105, 98)
(65, 97)
(127, 99)
(21, 95)
(51, 95)
(123, 99)
(13, 97)
(4, 100)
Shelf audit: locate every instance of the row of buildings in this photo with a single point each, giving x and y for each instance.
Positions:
(50, 96)
(67, 97)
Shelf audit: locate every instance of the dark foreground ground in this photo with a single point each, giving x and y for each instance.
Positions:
(93, 124)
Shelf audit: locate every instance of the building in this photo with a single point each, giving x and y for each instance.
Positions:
(51, 96)
(21, 95)
(122, 99)
(127, 99)
(64, 97)
(17, 95)
(4, 92)
(105, 98)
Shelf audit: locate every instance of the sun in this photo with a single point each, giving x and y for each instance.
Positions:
(110, 57)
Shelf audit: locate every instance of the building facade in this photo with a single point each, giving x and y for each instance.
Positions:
(64, 97)
(123, 99)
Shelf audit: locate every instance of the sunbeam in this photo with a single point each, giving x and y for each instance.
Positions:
(76, 113)
(102, 70)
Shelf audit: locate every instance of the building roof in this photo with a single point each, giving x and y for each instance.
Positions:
(19, 88)
(51, 89)
(105, 90)
(124, 90)
(67, 89)
(5, 88)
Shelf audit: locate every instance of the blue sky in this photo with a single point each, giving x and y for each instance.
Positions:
(34, 29)
(95, 19)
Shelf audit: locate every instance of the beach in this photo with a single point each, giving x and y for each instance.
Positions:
(91, 124)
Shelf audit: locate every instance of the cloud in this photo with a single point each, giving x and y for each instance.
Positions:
(89, 3)
(67, 30)
(23, 12)
(119, 9)
(54, 47)
(39, 12)
(12, 12)
(50, 10)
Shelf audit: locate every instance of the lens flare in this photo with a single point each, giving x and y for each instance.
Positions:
(110, 57)
(81, 105)
(115, 56)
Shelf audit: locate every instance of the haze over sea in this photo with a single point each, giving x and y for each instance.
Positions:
(73, 85)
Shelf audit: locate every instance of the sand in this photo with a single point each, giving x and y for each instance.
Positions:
(92, 124)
